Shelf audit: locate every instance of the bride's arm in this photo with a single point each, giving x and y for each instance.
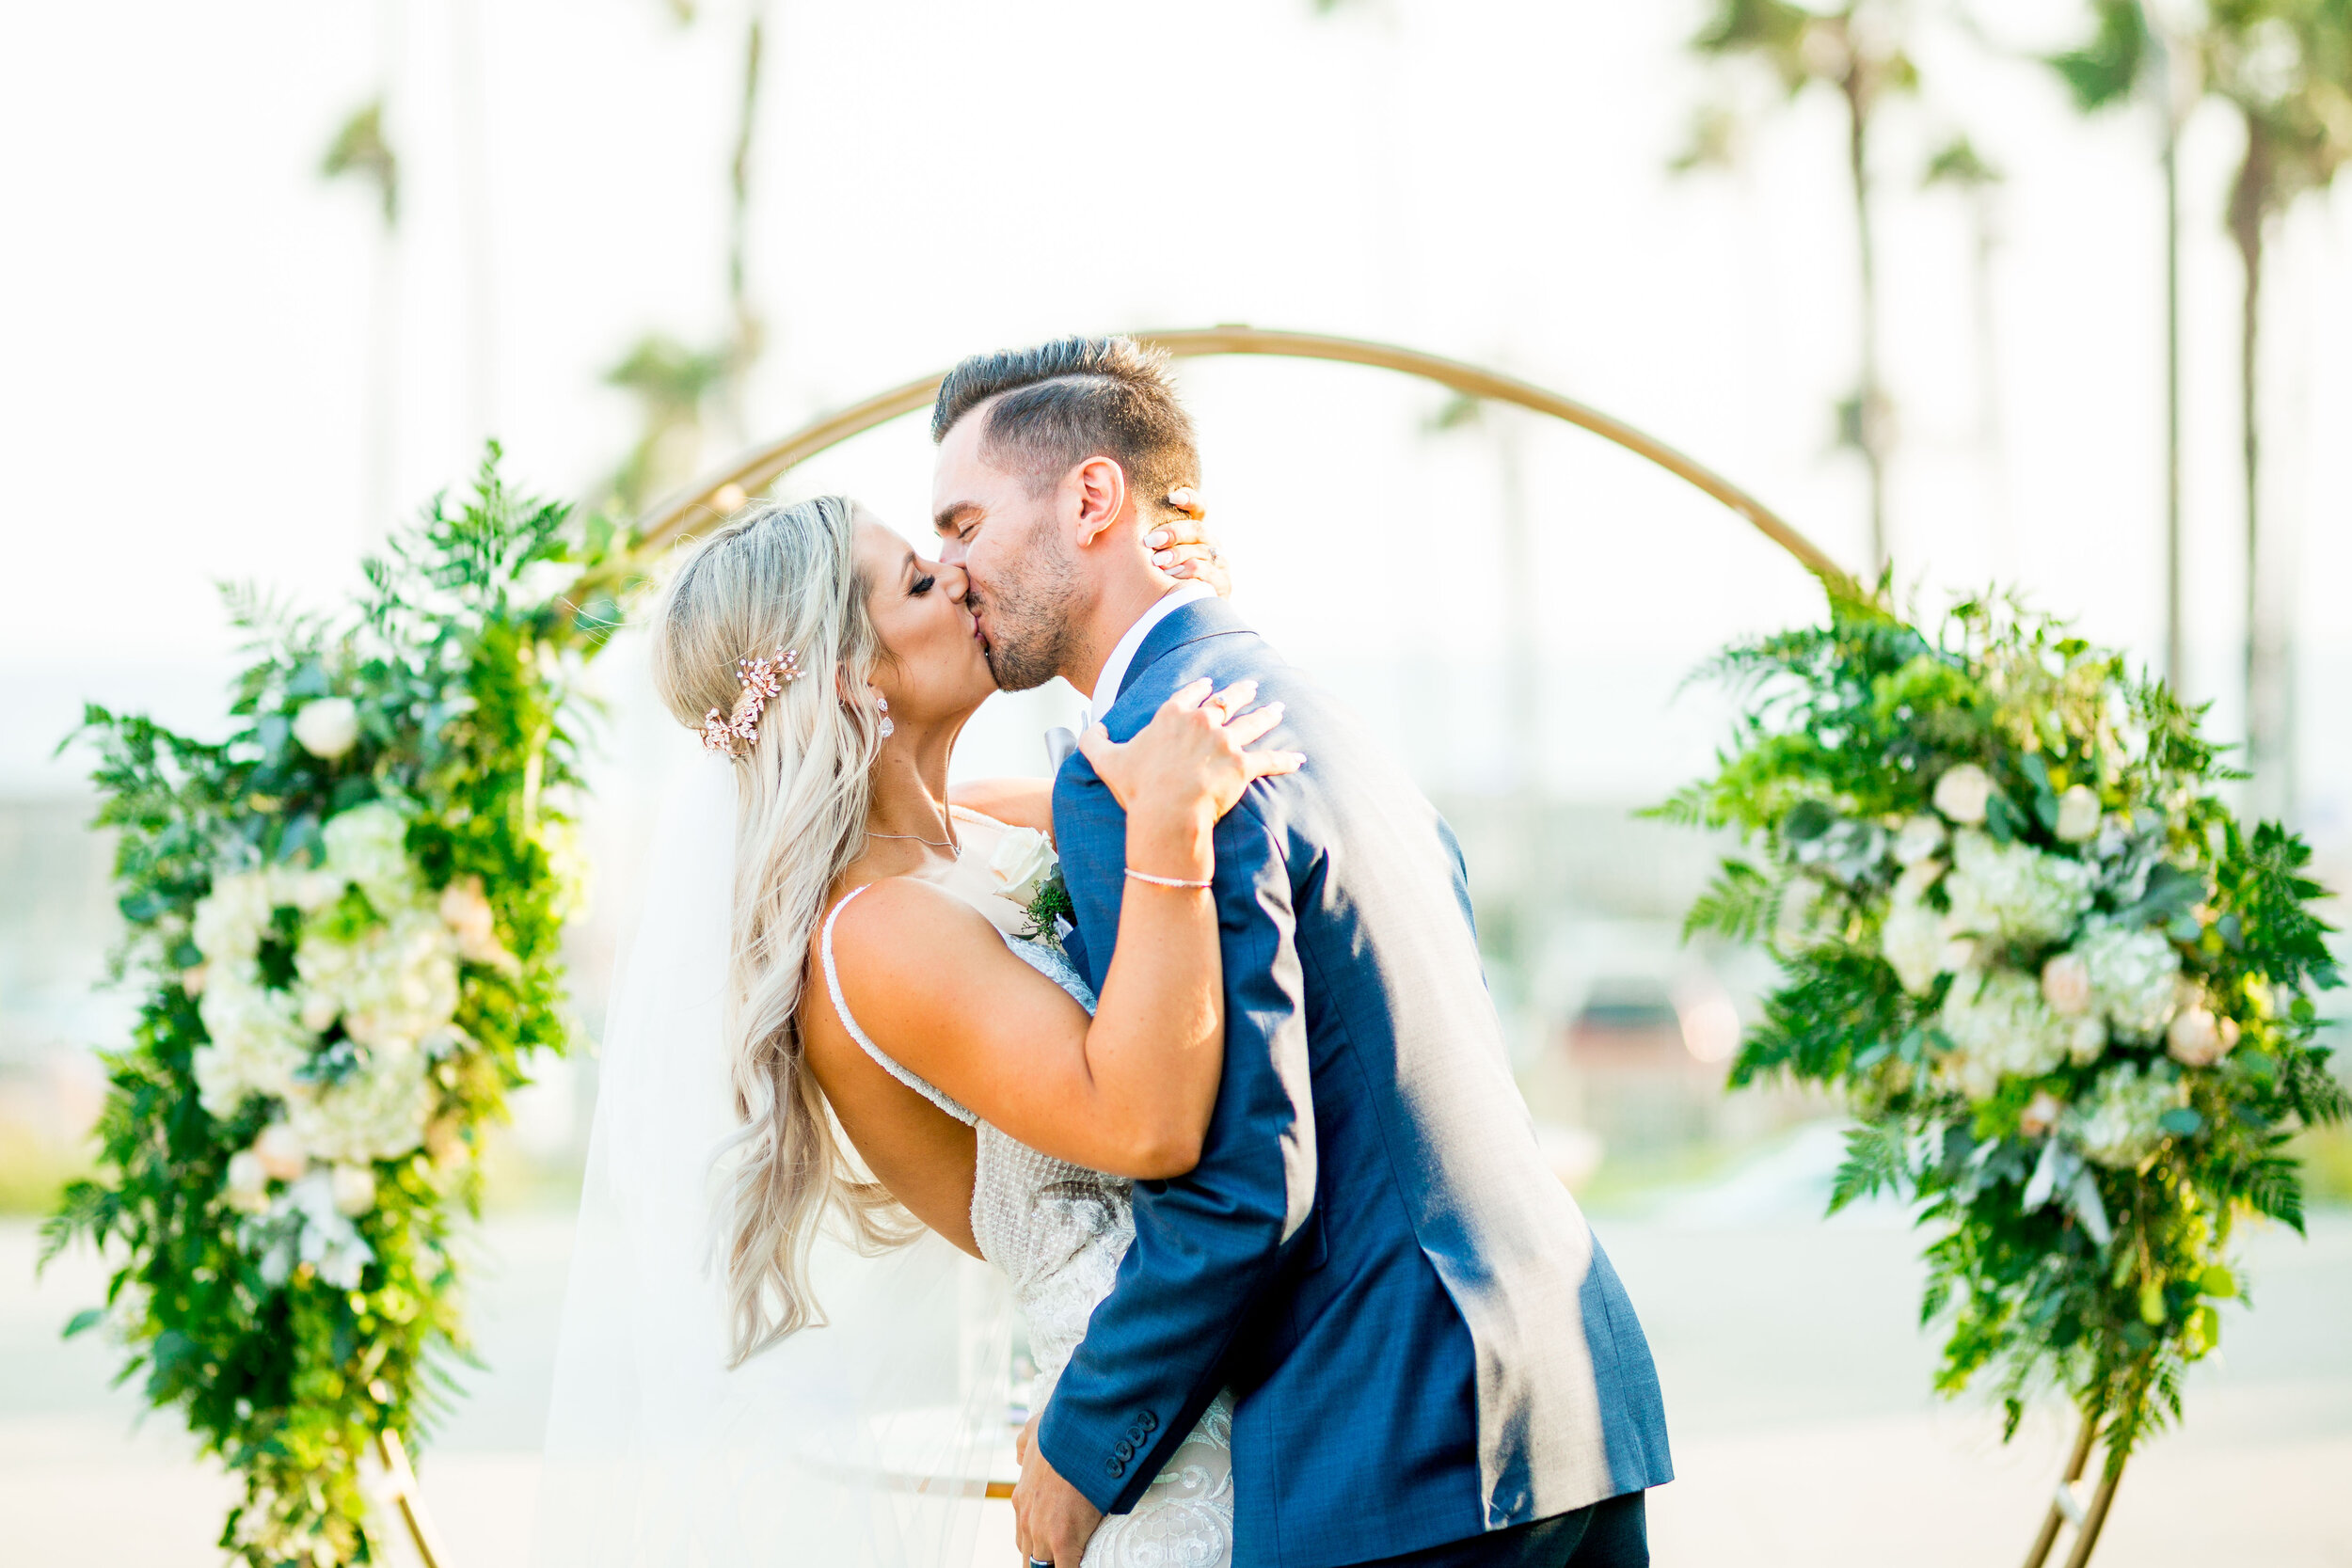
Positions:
(1022, 803)
(1131, 1091)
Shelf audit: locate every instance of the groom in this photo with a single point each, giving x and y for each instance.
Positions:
(1434, 1363)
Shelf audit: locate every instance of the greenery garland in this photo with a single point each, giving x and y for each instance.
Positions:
(2063, 990)
(346, 916)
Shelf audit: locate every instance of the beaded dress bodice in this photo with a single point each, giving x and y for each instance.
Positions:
(1058, 1232)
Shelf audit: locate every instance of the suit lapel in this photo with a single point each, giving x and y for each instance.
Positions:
(1203, 618)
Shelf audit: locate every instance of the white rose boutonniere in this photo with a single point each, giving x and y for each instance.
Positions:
(1023, 861)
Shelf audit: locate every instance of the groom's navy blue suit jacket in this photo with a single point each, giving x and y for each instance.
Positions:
(1427, 1340)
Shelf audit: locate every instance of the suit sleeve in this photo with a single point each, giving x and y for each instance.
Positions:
(1207, 1243)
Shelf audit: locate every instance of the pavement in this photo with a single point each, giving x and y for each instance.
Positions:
(1796, 1381)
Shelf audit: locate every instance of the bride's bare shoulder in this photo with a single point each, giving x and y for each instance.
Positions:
(901, 927)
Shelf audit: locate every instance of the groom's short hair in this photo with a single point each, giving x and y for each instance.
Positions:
(1050, 407)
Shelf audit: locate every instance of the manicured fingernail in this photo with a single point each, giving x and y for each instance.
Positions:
(1158, 537)
(1161, 557)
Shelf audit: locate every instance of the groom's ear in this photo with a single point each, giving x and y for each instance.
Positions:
(1097, 489)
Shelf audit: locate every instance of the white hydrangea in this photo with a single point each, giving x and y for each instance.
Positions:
(2012, 891)
(2117, 1124)
(367, 844)
(258, 1042)
(1999, 1027)
(393, 985)
(229, 921)
(303, 1226)
(1913, 941)
(2134, 978)
(377, 1112)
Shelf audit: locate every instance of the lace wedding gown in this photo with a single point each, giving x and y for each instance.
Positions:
(1058, 1231)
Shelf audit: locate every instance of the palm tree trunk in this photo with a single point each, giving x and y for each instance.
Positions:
(2266, 718)
(2175, 634)
(1870, 418)
(474, 197)
(744, 328)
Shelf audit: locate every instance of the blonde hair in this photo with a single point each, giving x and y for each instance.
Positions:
(782, 577)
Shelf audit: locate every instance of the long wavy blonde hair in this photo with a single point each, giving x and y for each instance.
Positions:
(782, 577)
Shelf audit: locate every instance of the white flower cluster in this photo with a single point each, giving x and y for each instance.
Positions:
(258, 1039)
(2118, 1124)
(2134, 977)
(2119, 982)
(368, 846)
(306, 1224)
(2014, 891)
(394, 984)
(1999, 1027)
(257, 1045)
(376, 1112)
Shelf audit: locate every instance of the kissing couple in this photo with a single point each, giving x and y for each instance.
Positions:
(1224, 1099)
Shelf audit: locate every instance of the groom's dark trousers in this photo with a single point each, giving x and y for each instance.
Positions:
(1429, 1347)
(1612, 1534)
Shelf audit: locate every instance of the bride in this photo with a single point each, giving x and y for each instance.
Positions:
(754, 1365)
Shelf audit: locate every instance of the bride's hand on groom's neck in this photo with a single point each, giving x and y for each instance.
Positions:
(1183, 547)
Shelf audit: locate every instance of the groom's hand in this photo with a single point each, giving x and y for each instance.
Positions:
(1052, 1520)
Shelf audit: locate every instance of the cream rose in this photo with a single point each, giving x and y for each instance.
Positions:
(466, 910)
(1962, 792)
(1921, 837)
(2041, 1114)
(281, 1153)
(2077, 814)
(329, 727)
(354, 1190)
(2195, 1038)
(246, 1184)
(1022, 862)
(2066, 985)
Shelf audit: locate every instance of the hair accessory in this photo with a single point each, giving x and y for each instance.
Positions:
(1166, 881)
(733, 734)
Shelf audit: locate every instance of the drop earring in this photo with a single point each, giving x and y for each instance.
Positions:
(889, 729)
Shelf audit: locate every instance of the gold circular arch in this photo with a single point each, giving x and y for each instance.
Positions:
(755, 470)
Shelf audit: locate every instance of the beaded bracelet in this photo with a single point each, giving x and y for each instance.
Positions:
(1166, 882)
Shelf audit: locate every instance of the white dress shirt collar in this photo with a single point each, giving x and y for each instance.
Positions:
(1114, 674)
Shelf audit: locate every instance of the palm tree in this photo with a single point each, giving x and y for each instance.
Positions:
(2129, 57)
(2286, 67)
(1959, 166)
(1856, 49)
(671, 383)
(362, 152)
(747, 333)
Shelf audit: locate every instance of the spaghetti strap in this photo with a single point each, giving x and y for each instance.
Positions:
(866, 1043)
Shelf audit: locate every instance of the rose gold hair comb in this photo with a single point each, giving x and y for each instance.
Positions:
(733, 734)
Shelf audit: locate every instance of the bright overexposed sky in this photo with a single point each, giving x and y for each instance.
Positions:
(186, 314)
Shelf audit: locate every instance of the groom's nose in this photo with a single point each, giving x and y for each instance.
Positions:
(952, 551)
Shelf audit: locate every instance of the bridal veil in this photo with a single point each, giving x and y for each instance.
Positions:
(861, 1442)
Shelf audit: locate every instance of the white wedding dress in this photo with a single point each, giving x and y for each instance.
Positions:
(1058, 1231)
